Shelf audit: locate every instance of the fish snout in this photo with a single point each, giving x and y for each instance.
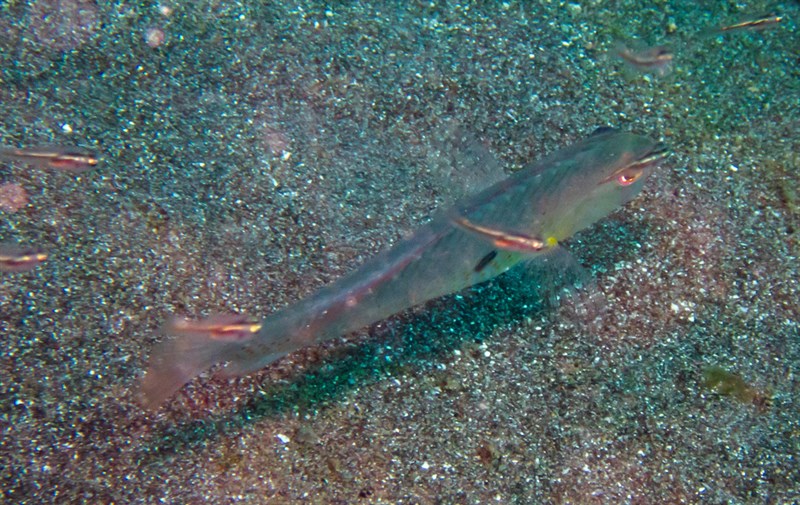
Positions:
(656, 155)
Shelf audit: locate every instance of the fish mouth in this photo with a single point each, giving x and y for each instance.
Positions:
(653, 157)
(657, 154)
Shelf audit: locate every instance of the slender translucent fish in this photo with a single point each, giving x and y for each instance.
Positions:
(16, 258)
(482, 236)
(656, 59)
(229, 327)
(68, 159)
(762, 23)
(503, 239)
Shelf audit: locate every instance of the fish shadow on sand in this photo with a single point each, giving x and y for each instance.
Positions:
(414, 341)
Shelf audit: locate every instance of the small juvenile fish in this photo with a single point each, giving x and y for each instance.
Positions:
(225, 327)
(72, 160)
(761, 23)
(517, 219)
(657, 60)
(15, 258)
(507, 240)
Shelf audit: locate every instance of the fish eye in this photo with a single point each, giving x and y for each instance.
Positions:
(628, 177)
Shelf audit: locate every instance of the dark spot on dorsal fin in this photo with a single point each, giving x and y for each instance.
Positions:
(485, 261)
(603, 130)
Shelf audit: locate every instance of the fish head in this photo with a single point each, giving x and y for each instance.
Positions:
(609, 172)
(623, 169)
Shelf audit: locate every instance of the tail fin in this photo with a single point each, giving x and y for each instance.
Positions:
(177, 360)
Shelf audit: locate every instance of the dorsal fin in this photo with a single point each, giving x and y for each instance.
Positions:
(463, 164)
(602, 130)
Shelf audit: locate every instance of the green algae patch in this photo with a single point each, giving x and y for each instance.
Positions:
(726, 383)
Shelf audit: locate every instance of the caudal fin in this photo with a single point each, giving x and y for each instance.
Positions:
(177, 360)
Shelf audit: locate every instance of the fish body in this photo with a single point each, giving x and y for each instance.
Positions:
(72, 160)
(16, 258)
(765, 22)
(476, 240)
(656, 59)
(218, 327)
(757, 24)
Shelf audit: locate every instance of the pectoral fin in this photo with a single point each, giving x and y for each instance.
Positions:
(484, 262)
(562, 282)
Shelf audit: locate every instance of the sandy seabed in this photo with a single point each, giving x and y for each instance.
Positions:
(253, 153)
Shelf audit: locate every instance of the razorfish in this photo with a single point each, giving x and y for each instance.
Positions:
(481, 236)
